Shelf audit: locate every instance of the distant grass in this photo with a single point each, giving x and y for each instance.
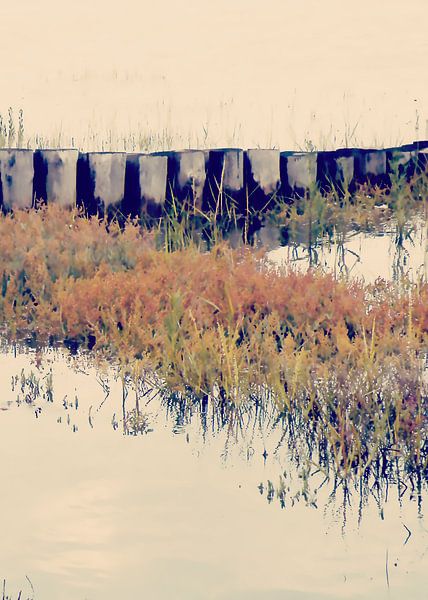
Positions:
(19, 596)
(13, 133)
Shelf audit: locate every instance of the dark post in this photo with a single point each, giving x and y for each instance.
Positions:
(226, 180)
(262, 177)
(55, 175)
(370, 165)
(186, 176)
(334, 173)
(101, 182)
(153, 172)
(298, 173)
(401, 161)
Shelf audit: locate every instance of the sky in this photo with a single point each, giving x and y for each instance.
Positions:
(271, 73)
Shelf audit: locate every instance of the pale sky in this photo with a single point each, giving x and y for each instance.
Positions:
(252, 72)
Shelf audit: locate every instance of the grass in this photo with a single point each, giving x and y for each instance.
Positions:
(19, 596)
(342, 358)
(142, 137)
(310, 221)
(170, 301)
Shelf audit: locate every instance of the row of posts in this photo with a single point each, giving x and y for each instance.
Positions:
(201, 180)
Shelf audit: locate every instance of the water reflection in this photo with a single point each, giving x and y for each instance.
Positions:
(179, 510)
(300, 448)
(390, 252)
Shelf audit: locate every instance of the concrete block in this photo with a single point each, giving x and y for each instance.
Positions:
(187, 177)
(262, 177)
(55, 176)
(373, 163)
(370, 165)
(16, 178)
(298, 173)
(373, 167)
(225, 179)
(401, 160)
(345, 170)
(145, 184)
(334, 173)
(153, 171)
(101, 181)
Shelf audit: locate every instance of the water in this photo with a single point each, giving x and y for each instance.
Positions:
(364, 255)
(89, 513)
(198, 72)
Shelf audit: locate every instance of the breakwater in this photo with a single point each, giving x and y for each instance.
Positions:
(109, 182)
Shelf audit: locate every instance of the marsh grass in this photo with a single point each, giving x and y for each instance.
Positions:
(220, 326)
(342, 358)
(312, 220)
(302, 460)
(301, 455)
(318, 216)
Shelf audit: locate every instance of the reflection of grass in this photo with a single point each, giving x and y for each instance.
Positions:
(340, 357)
(309, 220)
(302, 454)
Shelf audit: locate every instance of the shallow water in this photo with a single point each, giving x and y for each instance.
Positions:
(365, 255)
(89, 513)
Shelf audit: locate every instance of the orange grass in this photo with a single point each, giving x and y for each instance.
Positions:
(224, 324)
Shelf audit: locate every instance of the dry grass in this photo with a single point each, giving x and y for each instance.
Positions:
(343, 357)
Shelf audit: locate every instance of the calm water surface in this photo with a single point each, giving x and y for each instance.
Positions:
(363, 255)
(201, 73)
(87, 512)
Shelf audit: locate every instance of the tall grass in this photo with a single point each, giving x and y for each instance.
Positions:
(343, 357)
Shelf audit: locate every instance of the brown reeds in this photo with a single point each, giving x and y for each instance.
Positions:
(225, 325)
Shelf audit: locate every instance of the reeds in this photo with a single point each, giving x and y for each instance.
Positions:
(341, 357)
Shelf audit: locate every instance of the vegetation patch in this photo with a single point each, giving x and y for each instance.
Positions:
(343, 358)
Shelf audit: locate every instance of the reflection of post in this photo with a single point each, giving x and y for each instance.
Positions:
(16, 178)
